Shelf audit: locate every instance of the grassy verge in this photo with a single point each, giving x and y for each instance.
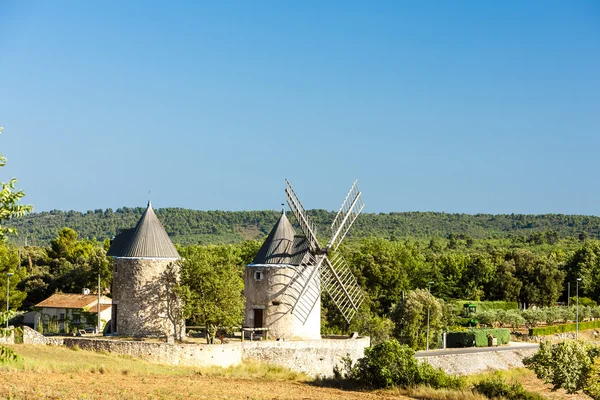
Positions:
(48, 359)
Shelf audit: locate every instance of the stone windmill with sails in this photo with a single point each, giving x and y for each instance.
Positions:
(283, 285)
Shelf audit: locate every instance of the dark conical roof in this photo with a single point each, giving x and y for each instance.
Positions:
(282, 246)
(148, 240)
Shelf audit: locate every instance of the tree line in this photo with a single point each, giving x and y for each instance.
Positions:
(228, 227)
(528, 271)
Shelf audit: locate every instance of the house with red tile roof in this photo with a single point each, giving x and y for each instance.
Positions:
(65, 310)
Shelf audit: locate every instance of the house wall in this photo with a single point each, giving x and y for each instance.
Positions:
(264, 293)
(46, 314)
(143, 296)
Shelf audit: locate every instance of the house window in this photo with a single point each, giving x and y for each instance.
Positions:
(116, 267)
(61, 317)
(259, 275)
(76, 318)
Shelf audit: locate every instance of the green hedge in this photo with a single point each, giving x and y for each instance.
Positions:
(476, 337)
(481, 339)
(562, 328)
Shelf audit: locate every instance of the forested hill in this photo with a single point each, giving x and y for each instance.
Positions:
(192, 226)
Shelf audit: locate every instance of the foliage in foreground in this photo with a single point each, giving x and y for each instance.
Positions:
(390, 364)
(498, 388)
(567, 365)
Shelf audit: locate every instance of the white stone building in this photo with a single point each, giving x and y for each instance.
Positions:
(273, 269)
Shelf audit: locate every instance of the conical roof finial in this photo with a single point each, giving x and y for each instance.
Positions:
(283, 208)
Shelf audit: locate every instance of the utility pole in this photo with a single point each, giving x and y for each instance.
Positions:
(98, 328)
(428, 307)
(8, 275)
(577, 313)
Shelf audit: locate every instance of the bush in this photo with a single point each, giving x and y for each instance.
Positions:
(534, 316)
(583, 301)
(460, 339)
(378, 328)
(390, 364)
(477, 337)
(481, 336)
(496, 388)
(489, 318)
(7, 355)
(566, 365)
(551, 330)
(511, 318)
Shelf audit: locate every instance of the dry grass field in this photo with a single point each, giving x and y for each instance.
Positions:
(59, 373)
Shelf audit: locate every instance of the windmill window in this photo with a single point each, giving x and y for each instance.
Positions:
(259, 275)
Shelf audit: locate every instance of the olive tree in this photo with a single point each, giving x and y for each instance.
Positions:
(211, 287)
(410, 317)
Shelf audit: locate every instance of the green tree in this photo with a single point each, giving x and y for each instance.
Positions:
(9, 203)
(410, 317)
(211, 287)
(565, 365)
(9, 263)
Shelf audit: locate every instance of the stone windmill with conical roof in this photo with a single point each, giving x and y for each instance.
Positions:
(145, 270)
(283, 284)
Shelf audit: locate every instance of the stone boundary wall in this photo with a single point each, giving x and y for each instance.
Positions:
(196, 355)
(316, 358)
(31, 336)
(473, 363)
(8, 339)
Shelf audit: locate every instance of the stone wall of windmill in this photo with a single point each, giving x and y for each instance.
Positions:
(269, 303)
(145, 272)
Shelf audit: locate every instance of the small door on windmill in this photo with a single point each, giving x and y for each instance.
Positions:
(258, 318)
(114, 318)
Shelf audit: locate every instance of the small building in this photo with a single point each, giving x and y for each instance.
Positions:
(61, 311)
(145, 271)
(277, 270)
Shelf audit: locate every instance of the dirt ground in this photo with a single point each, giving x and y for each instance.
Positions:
(33, 385)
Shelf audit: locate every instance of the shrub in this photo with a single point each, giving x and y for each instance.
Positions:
(7, 355)
(391, 364)
(481, 336)
(592, 384)
(534, 316)
(496, 388)
(511, 318)
(583, 301)
(566, 365)
(551, 330)
(460, 339)
(489, 318)
(552, 315)
(378, 328)
(476, 337)
(437, 378)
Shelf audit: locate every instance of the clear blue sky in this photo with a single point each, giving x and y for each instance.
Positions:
(462, 106)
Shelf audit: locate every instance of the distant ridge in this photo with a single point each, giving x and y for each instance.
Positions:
(186, 226)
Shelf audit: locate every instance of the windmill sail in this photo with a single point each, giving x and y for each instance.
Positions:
(324, 268)
(302, 217)
(341, 285)
(304, 290)
(349, 211)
